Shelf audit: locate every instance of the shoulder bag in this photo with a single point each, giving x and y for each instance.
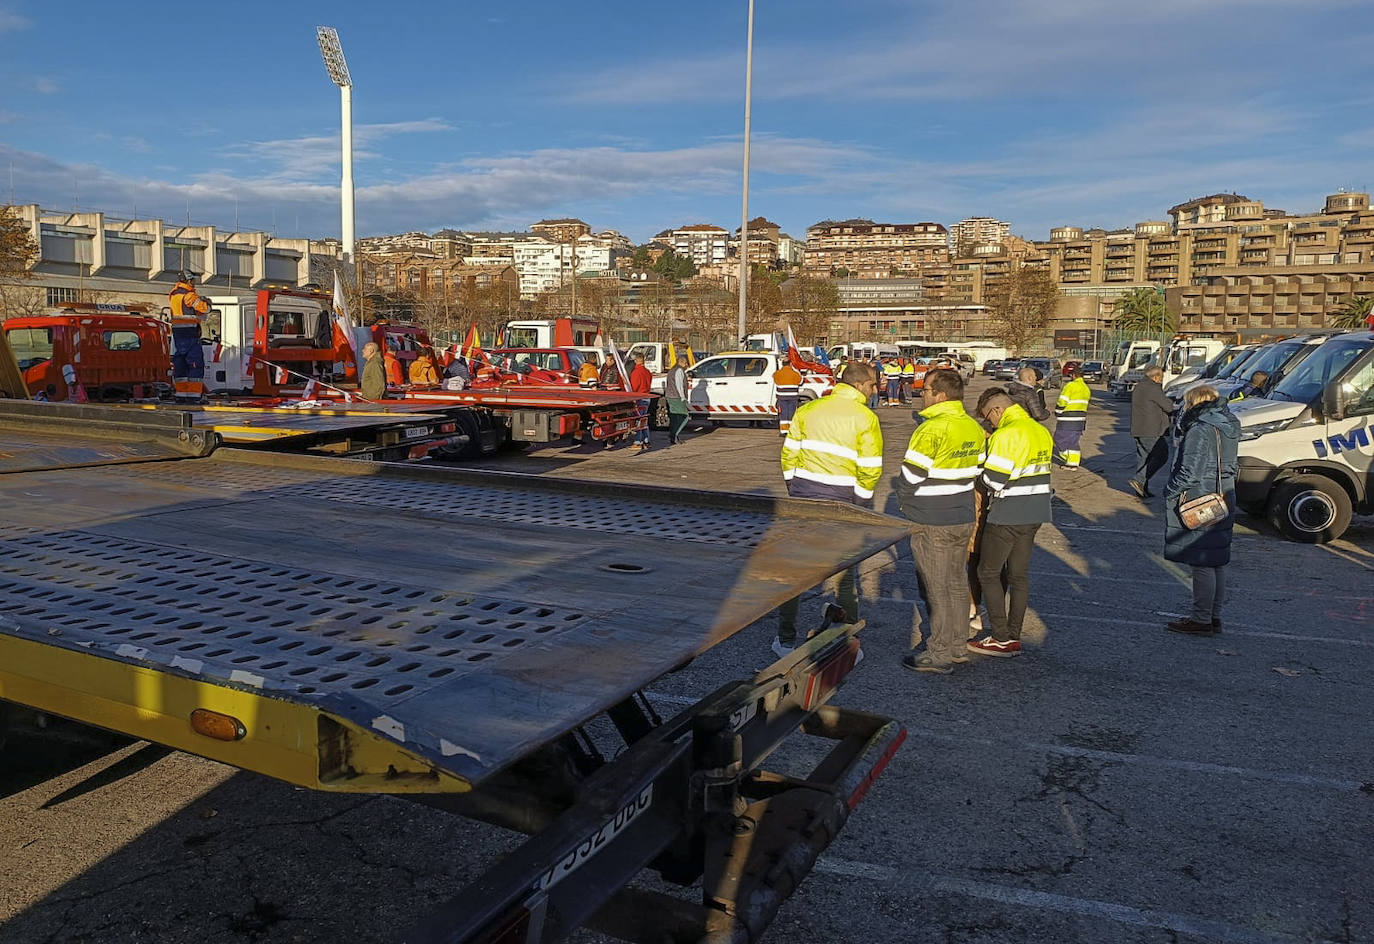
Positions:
(1210, 508)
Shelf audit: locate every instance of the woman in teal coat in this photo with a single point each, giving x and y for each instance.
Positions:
(1206, 462)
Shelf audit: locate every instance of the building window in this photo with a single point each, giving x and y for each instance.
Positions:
(61, 296)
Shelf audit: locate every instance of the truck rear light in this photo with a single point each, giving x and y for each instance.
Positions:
(214, 724)
(861, 790)
(828, 675)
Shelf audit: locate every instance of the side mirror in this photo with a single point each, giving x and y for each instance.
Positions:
(1332, 406)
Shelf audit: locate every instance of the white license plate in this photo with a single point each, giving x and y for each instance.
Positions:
(418, 432)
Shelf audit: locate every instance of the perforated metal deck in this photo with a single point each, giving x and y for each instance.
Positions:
(470, 617)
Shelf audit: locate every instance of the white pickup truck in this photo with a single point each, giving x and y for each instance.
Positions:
(739, 386)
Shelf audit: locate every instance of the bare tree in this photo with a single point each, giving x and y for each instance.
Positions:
(657, 310)
(709, 314)
(18, 253)
(1020, 307)
(810, 305)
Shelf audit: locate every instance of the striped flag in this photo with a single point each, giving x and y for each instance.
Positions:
(472, 346)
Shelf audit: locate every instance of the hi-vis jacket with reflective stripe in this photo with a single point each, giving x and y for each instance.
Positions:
(1073, 402)
(892, 369)
(187, 307)
(1017, 470)
(834, 449)
(942, 461)
(787, 380)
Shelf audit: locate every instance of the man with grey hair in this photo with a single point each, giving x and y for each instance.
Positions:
(374, 372)
(1026, 393)
(1151, 412)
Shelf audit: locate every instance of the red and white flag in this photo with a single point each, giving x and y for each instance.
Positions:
(620, 366)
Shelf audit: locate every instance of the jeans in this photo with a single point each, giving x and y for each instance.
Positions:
(643, 435)
(847, 597)
(1151, 454)
(941, 553)
(1004, 574)
(1209, 593)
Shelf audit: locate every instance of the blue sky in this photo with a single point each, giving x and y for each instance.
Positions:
(630, 115)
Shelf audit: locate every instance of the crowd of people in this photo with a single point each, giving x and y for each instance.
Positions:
(977, 489)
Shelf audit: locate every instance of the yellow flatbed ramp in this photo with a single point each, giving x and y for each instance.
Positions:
(364, 627)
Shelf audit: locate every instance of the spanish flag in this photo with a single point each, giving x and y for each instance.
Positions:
(472, 346)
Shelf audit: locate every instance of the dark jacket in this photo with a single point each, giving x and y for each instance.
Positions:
(1150, 410)
(374, 379)
(1031, 399)
(1206, 427)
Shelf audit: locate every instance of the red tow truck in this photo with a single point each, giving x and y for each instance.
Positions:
(112, 352)
(266, 351)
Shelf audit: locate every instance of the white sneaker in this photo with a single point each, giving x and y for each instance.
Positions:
(781, 649)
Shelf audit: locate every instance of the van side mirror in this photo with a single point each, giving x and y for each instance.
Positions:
(1332, 407)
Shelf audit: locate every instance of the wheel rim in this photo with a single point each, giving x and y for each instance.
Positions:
(1311, 512)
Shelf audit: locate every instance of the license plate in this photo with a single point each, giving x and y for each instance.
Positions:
(418, 432)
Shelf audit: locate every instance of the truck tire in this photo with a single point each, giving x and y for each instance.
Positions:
(1310, 509)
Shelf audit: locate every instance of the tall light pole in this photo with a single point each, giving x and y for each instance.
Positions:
(744, 223)
(338, 73)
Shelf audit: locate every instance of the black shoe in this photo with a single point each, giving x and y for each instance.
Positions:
(1139, 489)
(1191, 628)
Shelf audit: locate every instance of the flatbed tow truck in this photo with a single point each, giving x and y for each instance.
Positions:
(465, 639)
(120, 354)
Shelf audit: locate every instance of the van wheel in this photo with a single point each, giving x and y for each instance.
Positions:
(1310, 509)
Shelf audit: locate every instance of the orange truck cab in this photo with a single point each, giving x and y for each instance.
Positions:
(114, 353)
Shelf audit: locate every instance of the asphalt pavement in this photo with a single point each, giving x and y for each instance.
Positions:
(1116, 783)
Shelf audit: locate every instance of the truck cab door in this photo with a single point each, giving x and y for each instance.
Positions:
(753, 388)
(709, 385)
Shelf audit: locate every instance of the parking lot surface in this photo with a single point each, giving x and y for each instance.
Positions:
(1117, 783)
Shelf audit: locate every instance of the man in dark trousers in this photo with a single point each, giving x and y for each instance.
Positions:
(1026, 392)
(1151, 410)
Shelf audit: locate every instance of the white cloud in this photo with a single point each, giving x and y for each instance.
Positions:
(1003, 50)
(45, 86)
(11, 21)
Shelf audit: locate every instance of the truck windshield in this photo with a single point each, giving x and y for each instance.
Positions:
(1309, 378)
(31, 346)
(1272, 358)
(1242, 358)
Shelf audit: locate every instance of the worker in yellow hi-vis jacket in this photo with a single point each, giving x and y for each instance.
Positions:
(1071, 418)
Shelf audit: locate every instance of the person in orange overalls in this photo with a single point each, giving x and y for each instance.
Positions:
(188, 311)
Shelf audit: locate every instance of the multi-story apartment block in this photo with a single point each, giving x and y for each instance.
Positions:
(974, 230)
(561, 231)
(450, 244)
(703, 243)
(1225, 261)
(790, 251)
(874, 249)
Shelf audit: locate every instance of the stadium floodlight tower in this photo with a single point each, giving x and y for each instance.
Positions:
(338, 72)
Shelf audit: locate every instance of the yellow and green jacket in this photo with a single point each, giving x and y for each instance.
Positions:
(942, 462)
(1073, 402)
(834, 449)
(1017, 470)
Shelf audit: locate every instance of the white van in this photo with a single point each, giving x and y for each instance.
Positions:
(1307, 449)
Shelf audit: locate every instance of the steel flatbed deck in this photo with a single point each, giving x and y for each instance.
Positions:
(419, 630)
(467, 618)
